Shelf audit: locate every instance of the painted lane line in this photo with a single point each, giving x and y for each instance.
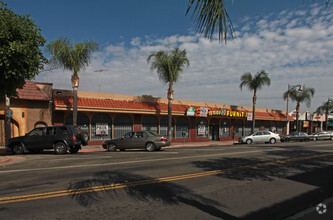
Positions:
(128, 162)
(6, 200)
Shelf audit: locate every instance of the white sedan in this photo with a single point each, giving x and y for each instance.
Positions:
(323, 135)
(260, 136)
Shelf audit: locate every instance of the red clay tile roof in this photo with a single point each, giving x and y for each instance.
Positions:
(31, 91)
(277, 116)
(116, 104)
(134, 105)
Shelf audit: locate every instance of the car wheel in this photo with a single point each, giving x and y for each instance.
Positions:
(272, 141)
(315, 139)
(74, 150)
(122, 149)
(112, 147)
(60, 148)
(18, 148)
(84, 138)
(249, 141)
(150, 146)
(332, 138)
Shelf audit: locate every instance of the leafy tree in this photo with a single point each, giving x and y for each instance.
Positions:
(326, 107)
(169, 66)
(20, 54)
(73, 57)
(255, 83)
(300, 96)
(211, 16)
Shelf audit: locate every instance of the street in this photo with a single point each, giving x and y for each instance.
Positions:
(258, 181)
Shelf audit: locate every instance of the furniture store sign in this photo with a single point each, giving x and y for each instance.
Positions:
(205, 111)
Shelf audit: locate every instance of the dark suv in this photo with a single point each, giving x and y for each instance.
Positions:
(60, 138)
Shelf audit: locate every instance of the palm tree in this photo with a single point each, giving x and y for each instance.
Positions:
(325, 107)
(304, 95)
(169, 65)
(255, 83)
(73, 57)
(210, 16)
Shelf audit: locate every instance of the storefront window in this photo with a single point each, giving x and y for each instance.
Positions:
(274, 127)
(164, 126)
(257, 125)
(238, 128)
(182, 127)
(122, 125)
(267, 125)
(150, 123)
(225, 128)
(82, 121)
(101, 127)
(248, 128)
(280, 128)
(202, 127)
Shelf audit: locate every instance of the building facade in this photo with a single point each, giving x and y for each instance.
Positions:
(32, 108)
(109, 116)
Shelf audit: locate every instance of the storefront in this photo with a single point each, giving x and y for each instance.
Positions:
(108, 116)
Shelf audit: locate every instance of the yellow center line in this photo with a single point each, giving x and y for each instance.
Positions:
(22, 198)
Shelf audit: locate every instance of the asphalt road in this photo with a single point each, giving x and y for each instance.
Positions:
(223, 182)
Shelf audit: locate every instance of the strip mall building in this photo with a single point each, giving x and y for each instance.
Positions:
(109, 116)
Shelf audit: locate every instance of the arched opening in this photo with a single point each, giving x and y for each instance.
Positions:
(101, 127)
(122, 125)
(182, 127)
(150, 123)
(82, 121)
(225, 128)
(239, 128)
(202, 127)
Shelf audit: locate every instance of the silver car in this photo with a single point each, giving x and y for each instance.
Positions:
(260, 136)
(323, 135)
(137, 139)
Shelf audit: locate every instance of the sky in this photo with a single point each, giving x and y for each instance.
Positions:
(292, 40)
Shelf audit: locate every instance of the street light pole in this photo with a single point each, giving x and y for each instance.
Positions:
(289, 89)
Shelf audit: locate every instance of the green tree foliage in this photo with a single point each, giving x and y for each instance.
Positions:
(254, 83)
(169, 66)
(73, 57)
(299, 97)
(326, 107)
(211, 16)
(20, 54)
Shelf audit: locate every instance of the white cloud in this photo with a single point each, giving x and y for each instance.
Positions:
(294, 47)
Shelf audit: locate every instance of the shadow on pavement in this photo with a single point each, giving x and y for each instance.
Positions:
(316, 171)
(166, 192)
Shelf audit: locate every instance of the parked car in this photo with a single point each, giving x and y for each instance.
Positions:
(260, 136)
(60, 138)
(323, 135)
(137, 139)
(296, 136)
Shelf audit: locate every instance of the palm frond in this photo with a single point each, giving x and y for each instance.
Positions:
(211, 16)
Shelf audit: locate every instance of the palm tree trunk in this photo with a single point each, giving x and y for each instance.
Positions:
(170, 98)
(75, 84)
(254, 112)
(297, 112)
